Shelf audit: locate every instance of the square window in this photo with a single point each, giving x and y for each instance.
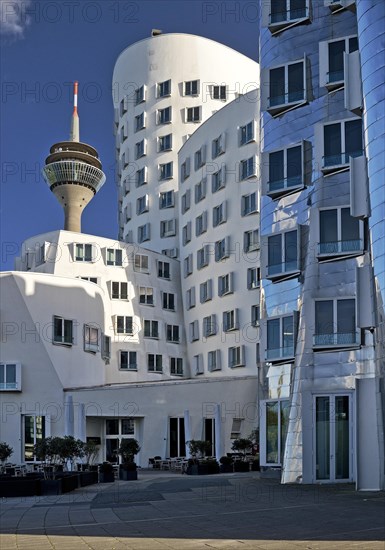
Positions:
(151, 329)
(164, 270)
(141, 263)
(246, 133)
(114, 257)
(124, 325)
(164, 115)
(176, 366)
(164, 88)
(165, 143)
(166, 199)
(63, 331)
(191, 88)
(165, 171)
(146, 295)
(154, 362)
(193, 114)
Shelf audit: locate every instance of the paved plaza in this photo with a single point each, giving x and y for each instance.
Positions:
(164, 510)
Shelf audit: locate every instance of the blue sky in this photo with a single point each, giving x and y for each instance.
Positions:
(45, 46)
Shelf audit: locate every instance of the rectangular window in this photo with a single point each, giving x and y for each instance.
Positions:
(282, 254)
(236, 356)
(255, 315)
(124, 325)
(154, 362)
(165, 143)
(167, 228)
(198, 364)
(285, 171)
(114, 257)
(335, 323)
(91, 338)
(165, 171)
(222, 249)
(194, 331)
(123, 133)
(287, 87)
(331, 62)
(247, 168)
(163, 270)
(193, 114)
(251, 240)
(218, 146)
(186, 233)
(341, 141)
(203, 256)
(225, 284)
(144, 233)
(83, 252)
(128, 360)
(340, 233)
(219, 92)
(140, 149)
(218, 179)
(206, 291)
(139, 122)
(176, 366)
(200, 191)
(141, 177)
(210, 327)
(286, 13)
(63, 331)
(172, 334)
(246, 133)
(146, 295)
(10, 377)
(168, 301)
(280, 338)
(35, 429)
(123, 106)
(166, 199)
(220, 214)
(249, 204)
(191, 88)
(231, 320)
(90, 279)
(151, 329)
(186, 201)
(141, 263)
(185, 169)
(253, 278)
(214, 360)
(139, 95)
(164, 116)
(190, 298)
(164, 88)
(106, 347)
(200, 157)
(142, 204)
(201, 224)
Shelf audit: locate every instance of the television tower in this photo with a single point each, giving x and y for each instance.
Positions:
(74, 173)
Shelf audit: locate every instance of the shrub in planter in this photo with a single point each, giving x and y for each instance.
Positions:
(106, 473)
(241, 466)
(129, 447)
(255, 465)
(128, 472)
(5, 452)
(212, 467)
(226, 466)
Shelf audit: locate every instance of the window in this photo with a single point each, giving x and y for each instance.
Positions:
(206, 291)
(190, 297)
(193, 114)
(83, 252)
(231, 320)
(146, 295)
(341, 141)
(186, 233)
(124, 325)
(168, 228)
(222, 249)
(194, 331)
(218, 179)
(165, 171)
(247, 168)
(246, 133)
(219, 92)
(166, 199)
(128, 360)
(249, 204)
(210, 327)
(115, 431)
(141, 263)
(90, 279)
(335, 323)
(106, 347)
(142, 204)
(286, 87)
(236, 428)
(191, 88)
(219, 214)
(186, 201)
(176, 366)
(127, 213)
(164, 115)
(286, 13)
(285, 169)
(154, 362)
(63, 331)
(151, 329)
(339, 232)
(168, 301)
(165, 143)
(251, 240)
(139, 95)
(141, 177)
(163, 270)
(280, 338)
(200, 191)
(214, 360)
(203, 256)
(144, 233)
(139, 122)
(282, 250)
(274, 426)
(253, 278)
(164, 88)
(200, 157)
(172, 333)
(236, 356)
(35, 429)
(140, 149)
(123, 133)
(255, 316)
(91, 338)
(123, 106)
(201, 224)
(185, 169)
(10, 377)
(332, 73)
(114, 257)
(218, 146)
(198, 364)
(226, 284)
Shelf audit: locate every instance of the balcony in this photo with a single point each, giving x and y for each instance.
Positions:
(285, 186)
(285, 102)
(280, 354)
(340, 248)
(336, 340)
(73, 172)
(339, 162)
(279, 21)
(283, 270)
(339, 5)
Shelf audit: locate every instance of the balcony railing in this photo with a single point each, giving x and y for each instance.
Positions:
(73, 171)
(282, 268)
(340, 247)
(286, 99)
(340, 159)
(335, 339)
(280, 353)
(9, 386)
(288, 16)
(286, 184)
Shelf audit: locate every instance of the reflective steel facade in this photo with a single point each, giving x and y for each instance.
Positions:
(323, 394)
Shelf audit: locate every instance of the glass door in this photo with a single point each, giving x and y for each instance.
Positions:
(333, 438)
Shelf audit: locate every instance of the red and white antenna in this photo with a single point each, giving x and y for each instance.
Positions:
(75, 135)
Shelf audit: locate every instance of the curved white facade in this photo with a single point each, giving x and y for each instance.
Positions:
(177, 72)
(219, 240)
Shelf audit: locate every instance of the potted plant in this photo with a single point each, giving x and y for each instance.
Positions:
(254, 436)
(242, 445)
(5, 452)
(129, 447)
(197, 447)
(106, 473)
(226, 466)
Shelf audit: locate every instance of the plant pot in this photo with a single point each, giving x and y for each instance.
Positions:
(88, 478)
(240, 466)
(106, 477)
(226, 469)
(50, 487)
(192, 470)
(128, 475)
(255, 466)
